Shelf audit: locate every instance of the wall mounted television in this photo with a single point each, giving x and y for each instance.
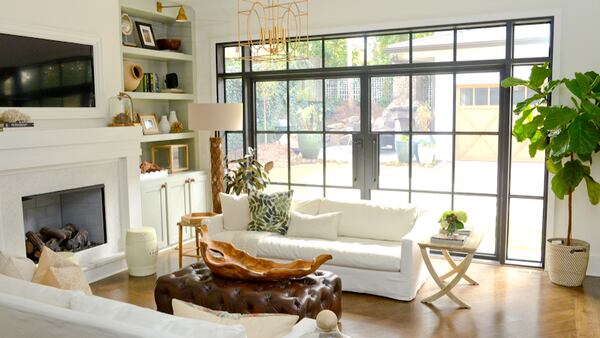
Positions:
(45, 73)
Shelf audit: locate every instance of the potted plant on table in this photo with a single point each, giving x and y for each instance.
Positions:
(569, 136)
(452, 220)
(250, 175)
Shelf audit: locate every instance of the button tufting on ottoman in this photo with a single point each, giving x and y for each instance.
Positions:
(304, 297)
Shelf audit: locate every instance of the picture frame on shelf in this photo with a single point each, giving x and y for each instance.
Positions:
(149, 124)
(146, 35)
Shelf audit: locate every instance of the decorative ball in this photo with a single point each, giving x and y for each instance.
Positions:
(176, 127)
(327, 321)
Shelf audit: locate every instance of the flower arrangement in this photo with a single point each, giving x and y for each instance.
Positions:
(452, 221)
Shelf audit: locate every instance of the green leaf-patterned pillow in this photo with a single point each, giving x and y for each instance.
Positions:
(270, 212)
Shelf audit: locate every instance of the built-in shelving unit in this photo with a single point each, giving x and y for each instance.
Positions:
(157, 55)
(160, 96)
(168, 137)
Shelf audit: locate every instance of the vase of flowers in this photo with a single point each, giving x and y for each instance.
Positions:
(451, 221)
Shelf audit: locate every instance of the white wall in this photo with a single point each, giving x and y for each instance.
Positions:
(575, 50)
(86, 19)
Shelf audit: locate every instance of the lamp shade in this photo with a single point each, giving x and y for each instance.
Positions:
(215, 116)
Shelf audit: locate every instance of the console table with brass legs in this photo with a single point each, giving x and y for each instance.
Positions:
(459, 268)
(193, 220)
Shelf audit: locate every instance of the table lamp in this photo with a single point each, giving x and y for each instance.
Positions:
(216, 117)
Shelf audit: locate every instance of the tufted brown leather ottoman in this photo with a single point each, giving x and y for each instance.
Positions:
(304, 297)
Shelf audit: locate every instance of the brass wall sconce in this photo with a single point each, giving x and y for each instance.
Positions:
(181, 17)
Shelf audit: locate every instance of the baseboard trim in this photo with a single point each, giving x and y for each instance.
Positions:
(594, 266)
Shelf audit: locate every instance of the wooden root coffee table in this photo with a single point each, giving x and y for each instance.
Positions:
(460, 269)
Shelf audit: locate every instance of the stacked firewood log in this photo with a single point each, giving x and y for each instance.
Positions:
(67, 238)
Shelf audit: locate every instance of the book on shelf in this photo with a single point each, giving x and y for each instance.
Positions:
(452, 240)
(150, 83)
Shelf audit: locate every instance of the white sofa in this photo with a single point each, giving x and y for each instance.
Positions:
(376, 251)
(32, 310)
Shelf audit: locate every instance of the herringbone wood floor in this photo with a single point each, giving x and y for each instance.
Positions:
(509, 302)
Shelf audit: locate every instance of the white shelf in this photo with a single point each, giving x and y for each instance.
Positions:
(151, 54)
(168, 137)
(160, 96)
(153, 16)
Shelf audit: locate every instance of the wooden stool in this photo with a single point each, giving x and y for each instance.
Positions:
(193, 220)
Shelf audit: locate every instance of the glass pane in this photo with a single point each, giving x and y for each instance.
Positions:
(271, 188)
(433, 46)
(344, 52)
(266, 64)
(233, 90)
(309, 54)
(233, 63)
(306, 193)
(432, 162)
(29, 79)
(393, 161)
(342, 104)
(273, 147)
(532, 40)
(481, 44)
(434, 203)
(481, 212)
(73, 73)
(338, 169)
(494, 96)
(479, 116)
(466, 96)
(476, 164)
(235, 147)
(432, 102)
(307, 158)
(271, 105)
(343, 194)
(388, 49)
(525, 229)
(51, 76)
(390, 103)
(387, 197)
(306, 105)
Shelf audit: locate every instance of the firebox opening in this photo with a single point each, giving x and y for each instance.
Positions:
(69, 220)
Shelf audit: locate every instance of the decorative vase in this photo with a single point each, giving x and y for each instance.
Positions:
(310, 145)
(173, 117)
(132, 75)
(567, 265)
(164, 125)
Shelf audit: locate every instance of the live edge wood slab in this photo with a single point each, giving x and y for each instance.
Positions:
(225, 260)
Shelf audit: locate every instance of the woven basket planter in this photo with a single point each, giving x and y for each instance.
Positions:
(567, 265)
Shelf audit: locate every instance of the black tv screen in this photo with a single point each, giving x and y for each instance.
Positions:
(45, 73)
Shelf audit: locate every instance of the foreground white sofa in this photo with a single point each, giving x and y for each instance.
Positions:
(376, 251)
(32, 310)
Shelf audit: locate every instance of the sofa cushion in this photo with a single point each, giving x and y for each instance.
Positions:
(60, 272)
(323, 226)
(157, 321)
(351, 252)
(17, 267)
(40, 293)
(308, 207)
(236, 213)
(366, 219)
(261, 325)
(270, 212)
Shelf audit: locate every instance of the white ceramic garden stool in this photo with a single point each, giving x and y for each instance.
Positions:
(141, 251)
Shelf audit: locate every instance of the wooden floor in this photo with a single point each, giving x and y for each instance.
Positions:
(509, 302)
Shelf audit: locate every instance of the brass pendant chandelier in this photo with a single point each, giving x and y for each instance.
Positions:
(266, 27)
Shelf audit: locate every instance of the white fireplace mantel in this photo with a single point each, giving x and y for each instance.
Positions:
(40, 161)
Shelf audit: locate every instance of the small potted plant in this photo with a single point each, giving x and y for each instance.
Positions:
(452, 220)
(309, 144)
(250, 175)
(569, 136)
(427, 150)
(401, 145)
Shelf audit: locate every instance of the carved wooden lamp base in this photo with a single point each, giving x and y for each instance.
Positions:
(216, 172)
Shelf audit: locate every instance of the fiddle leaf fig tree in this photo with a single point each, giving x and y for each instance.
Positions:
(568, 135)
(250, 176)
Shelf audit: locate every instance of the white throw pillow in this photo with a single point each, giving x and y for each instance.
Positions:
(17, 267)
(256, 325)
(308, 207)
(236, 211)
(323, 226)
(154, 320)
